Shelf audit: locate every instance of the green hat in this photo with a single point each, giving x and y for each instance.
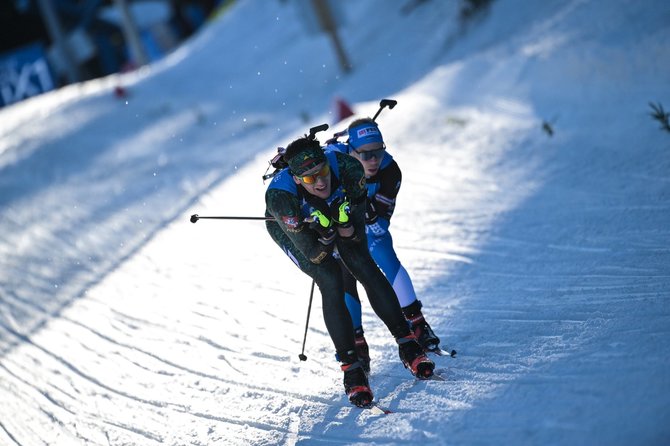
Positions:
(304, 154)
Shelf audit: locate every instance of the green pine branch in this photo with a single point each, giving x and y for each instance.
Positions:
(660, 115)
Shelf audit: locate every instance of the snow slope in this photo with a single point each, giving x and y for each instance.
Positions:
(544, 260)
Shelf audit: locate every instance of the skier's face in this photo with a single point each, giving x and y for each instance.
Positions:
(370, 155)
(316, 181)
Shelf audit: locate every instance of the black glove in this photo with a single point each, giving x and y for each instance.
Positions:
(323, 226)
(340, 212)
(370, 212)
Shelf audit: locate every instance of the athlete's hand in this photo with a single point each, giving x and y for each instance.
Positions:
(340, 213)
(322, 224)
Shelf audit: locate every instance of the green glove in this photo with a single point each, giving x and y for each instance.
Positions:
(340, 211)
(320, 223)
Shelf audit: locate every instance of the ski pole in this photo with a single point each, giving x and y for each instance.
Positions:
(304, 339)
(196, 217)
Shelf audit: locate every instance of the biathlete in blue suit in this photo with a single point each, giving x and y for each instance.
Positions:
(318, 205)
(383, 179)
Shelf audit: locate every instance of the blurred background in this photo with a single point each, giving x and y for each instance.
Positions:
(46, 44)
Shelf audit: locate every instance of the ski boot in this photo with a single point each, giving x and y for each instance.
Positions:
(414, 358)
(424, 334)
(356, 384)
(362, 349)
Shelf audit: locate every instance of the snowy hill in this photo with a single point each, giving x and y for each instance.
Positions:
(543, 259)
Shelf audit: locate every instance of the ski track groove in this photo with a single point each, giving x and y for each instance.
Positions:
(76, 371)
(9, 434)
(156, 403)
(145, 434)
(198, 338)
(183, 339)
(155, 437)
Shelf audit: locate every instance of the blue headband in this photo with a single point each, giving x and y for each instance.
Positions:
(364, 134)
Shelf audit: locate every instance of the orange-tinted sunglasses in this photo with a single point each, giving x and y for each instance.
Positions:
(311, 179)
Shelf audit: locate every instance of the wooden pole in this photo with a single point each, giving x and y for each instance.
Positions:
(59, 40)
(130, 33)
(327, 22)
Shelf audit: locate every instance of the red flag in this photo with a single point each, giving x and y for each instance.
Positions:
(342, 110)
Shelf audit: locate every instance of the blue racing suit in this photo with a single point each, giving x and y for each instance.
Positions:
(290, 204)
(382, 190)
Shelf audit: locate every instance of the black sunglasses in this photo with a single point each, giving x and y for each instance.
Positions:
(369, 154)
